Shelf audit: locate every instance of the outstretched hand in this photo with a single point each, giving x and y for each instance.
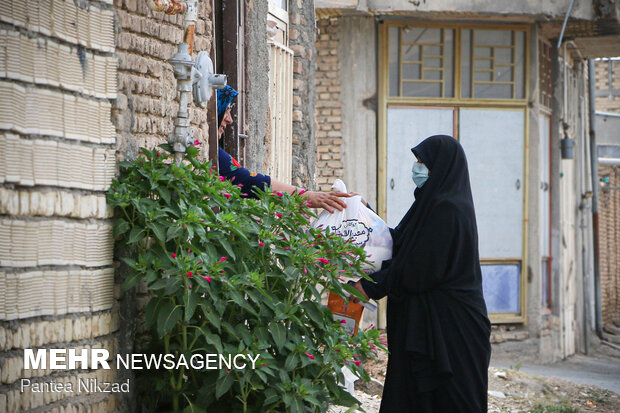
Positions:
(327, 200)
(358, 287)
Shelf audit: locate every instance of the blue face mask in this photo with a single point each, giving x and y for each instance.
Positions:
(419, 174)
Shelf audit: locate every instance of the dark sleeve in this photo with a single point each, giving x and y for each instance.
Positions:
(440, 248)
(238, 175)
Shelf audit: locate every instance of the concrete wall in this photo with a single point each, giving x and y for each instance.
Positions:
(257, 81)
(359, 105)
(582, 9)
(57, 81)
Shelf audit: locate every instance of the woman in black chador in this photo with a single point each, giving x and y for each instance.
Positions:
(437, 325)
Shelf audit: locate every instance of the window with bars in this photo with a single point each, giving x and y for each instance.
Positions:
(422, 62)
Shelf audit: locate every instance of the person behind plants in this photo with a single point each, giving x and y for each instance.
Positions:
(437, 325)
(233, 171)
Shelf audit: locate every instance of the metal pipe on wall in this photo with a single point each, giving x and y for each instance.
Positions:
(595, 232)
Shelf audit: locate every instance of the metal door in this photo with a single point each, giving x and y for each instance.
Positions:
(406, 127)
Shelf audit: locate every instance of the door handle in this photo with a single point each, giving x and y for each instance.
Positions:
(518, 184)
(392, 183)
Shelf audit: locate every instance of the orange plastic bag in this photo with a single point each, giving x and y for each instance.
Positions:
(350, 315)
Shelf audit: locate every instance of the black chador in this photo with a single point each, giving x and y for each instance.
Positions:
(437, 325)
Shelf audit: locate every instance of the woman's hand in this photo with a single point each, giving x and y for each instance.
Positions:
(358, 287)
(326, 200)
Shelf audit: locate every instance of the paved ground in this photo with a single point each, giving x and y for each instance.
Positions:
(601, 370)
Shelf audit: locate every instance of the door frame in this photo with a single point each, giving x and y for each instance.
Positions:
(457, 102)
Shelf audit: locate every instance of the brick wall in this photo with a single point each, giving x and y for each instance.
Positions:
(607, 103)
(328, 110)
(144, 111)
(57, 158)
(609, 235)
(143, 115)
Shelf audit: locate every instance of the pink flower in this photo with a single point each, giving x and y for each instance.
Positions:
(240, 185)
(222, 179)
(357, 362)
(158, 154)
(189, 250)
(308, 204)
(260, 243)
(189, 274)
(279, 215)
(341, 279)
(279, 193)
(343, 321)
(302, 191)
(323, 260)
(310, 356)
(207, 278)
(227, 371)
(227, 195)
(196, 142)
(222, 259)
(174, 255)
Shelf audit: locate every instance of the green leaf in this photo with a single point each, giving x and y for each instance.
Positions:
(228, 248)
(131, 281)
(152, 310)
(164, 193)
(194, 408)
(271, 397)
(130, 261)
(173, 231)
(191, 301)
(223, 385)
(278, 332)
(169, 315)
(312, 311)
(211, 316)
(158, 230)
(291, 361)
(213, 340)
(120, 227)
(135, 235)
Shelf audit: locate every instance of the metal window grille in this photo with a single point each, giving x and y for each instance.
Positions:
(281, 110)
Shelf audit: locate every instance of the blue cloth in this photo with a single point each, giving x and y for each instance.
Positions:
(225, 97)
(237, 174)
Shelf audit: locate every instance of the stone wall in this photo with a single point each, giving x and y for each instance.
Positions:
(57, 158)
(328, 110)
(301, 41)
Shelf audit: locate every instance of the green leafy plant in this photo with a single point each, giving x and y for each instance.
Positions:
(231, 275)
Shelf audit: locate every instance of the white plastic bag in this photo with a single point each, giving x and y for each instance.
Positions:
(362, 226)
